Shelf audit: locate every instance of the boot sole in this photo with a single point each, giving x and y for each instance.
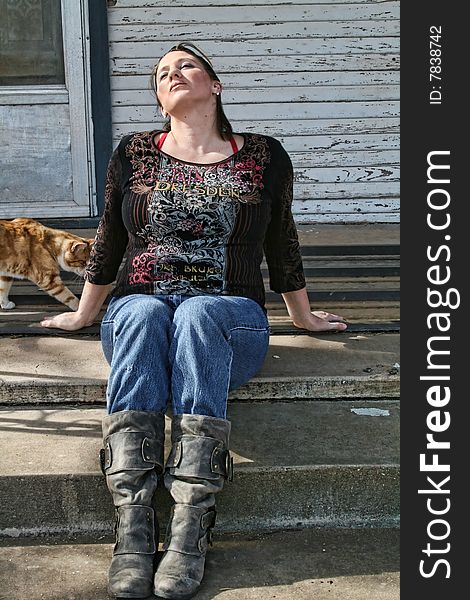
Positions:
(171, 597)
(130, 597)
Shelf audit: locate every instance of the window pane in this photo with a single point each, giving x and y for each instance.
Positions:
(31, 42)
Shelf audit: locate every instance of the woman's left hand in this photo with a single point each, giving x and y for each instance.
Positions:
(320, 320)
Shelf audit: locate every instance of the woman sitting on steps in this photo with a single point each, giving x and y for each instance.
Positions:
(195, 206)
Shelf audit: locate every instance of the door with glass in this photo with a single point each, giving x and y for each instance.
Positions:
(45, 158)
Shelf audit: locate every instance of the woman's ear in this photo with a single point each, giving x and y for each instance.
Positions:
(217, 88)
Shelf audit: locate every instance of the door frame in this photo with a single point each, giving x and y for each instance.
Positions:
(76, 92)
(75, 30)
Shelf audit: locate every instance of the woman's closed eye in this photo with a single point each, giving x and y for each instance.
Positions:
(182, 66)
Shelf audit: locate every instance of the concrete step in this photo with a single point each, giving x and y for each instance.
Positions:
(297, 464)
(287, 565)
(63, 368)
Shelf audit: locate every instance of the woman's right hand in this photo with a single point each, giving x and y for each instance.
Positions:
(70, 321)
(91, 301)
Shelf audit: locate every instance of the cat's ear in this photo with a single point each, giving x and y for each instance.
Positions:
(77, 246)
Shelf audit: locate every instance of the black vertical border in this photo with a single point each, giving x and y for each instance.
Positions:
(100, 93)
(426, 128)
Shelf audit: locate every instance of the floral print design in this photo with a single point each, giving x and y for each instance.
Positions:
(191, 211)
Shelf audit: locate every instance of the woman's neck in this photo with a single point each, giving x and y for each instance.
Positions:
(198, 137)
(196, 140)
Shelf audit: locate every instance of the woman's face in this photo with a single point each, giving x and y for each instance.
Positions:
(181, 79)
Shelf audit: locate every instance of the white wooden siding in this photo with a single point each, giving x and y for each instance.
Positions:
(322, 76)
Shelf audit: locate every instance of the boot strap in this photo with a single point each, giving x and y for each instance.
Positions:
(200, 457)
(131, 451)
(189, 530)
(135, 530)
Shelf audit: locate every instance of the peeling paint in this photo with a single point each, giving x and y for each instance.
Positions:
(337, 107)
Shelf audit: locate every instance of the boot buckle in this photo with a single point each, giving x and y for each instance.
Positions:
(222, 462)
(106, 457)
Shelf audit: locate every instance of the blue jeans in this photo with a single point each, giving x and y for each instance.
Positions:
(187, 350)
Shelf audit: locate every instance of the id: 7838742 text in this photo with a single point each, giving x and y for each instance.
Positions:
(435, 64)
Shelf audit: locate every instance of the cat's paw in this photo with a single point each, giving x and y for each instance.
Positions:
(7, 305)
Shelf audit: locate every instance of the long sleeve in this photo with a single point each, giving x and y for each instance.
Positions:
(281, 244)
(111, 236)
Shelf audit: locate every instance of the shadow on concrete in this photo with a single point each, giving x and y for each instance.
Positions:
(45, 422)
(286, 565)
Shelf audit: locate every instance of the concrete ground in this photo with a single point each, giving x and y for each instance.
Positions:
(320, 564)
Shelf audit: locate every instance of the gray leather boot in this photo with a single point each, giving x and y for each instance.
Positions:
(132, 460)
(198, 464)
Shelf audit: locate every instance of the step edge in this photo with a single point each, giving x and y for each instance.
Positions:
(242, 469)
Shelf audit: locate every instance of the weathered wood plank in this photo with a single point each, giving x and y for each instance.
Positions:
(388, 125)
(347, 159)
(270, 112)
(343, 207)
(200, 33)
(256, 64)
(261, 47)
(367, 150)
(164, 3)
(317, 110)
(351, 218)
(307, 179)
(364, 125)
(277, 94)
(321, 158)
(273, 80)
(353, 142)
(253, 13)
(347, 175)
(380, 190)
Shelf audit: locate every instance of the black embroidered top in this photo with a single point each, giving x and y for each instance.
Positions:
(197, 228)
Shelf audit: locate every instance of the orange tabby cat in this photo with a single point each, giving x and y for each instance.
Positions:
(30, 250)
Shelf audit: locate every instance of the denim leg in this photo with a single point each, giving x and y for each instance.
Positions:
(219, 343)
(136, 337)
